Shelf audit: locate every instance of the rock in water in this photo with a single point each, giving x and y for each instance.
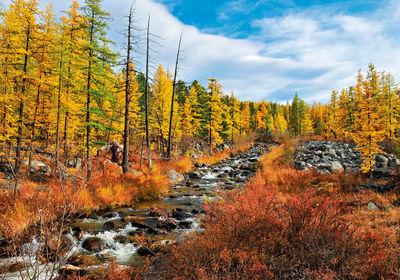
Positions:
(94, 244)
(70, 270)
(195, 175)
(174, 177)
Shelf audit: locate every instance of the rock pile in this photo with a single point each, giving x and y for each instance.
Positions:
(327, 157)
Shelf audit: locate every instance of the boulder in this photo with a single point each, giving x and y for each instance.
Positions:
(337, 166)
(381, 158)
(179, 214)
(57, 247)
(196, 175)
(122, 239)
(161, 245)
(144, 251)
(372, 206)
(112, 225)
(167, 224)
(77, 232)
(71, 270)
(327, 157)
(94, 244)
(174, 177)
(40, 168)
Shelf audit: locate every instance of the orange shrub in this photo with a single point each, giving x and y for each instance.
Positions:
(258, 234)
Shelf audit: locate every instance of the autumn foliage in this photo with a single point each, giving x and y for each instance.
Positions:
(283, 227)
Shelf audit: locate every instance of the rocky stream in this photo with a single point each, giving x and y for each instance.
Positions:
(96, 239)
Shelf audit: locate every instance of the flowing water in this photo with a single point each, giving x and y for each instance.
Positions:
(112, 235)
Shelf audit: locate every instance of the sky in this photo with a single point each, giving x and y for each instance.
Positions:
(265, 49)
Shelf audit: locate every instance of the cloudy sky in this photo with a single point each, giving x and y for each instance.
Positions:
(267, 48)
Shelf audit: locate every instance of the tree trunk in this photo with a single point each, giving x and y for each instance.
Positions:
(59, 104)
(173, 99)
(125, 156)
(21, 103)
(146, 93)
(88, 159)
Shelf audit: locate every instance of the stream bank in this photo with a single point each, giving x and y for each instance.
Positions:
(100, 238)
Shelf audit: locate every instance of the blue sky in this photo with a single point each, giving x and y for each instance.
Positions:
(235, 18)
(265, 49)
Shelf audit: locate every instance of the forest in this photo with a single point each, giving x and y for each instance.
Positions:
(200, 184)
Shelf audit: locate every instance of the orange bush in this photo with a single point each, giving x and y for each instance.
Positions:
(260, 234)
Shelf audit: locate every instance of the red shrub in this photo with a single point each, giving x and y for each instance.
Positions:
(259, 234)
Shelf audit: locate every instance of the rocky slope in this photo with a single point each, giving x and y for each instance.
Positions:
(327, 157)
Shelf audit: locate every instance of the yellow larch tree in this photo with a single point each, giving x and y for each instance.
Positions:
(245, 118)
(369, 132)
(234, 110)
(160, 104)
(214, 113)
(390, 105)
(261, 115)
(72, 98)
(280, 124)
(190, 116)
(45, 82)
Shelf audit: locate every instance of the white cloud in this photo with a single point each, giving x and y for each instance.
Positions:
(310, 52)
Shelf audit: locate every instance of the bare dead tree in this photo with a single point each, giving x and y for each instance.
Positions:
(173, 99)
(146, 93)
(125, 156)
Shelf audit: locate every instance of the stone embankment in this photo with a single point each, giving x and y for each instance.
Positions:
(328, 157)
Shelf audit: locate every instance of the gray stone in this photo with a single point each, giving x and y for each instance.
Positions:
(372, 206)
(195, 175)
(316, 158)
(381, 158)
(324, 166)
(336, 166)
(174, 177)
(40, 167)
(94, 244)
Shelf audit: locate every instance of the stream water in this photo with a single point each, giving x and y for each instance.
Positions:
(98, 239)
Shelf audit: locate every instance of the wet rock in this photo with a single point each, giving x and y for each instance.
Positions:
(145, 251)
(70, 270)
(15, 267)
(185, 224)
(110, 215)
(179, 214)
(154, 212)
(167, 224)
(56, 247)
(139, 224)
(196, 175)
(112, 225)
(94, 244)
(122, 239)
(84, 260)
(144, 226)
(77, 232)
